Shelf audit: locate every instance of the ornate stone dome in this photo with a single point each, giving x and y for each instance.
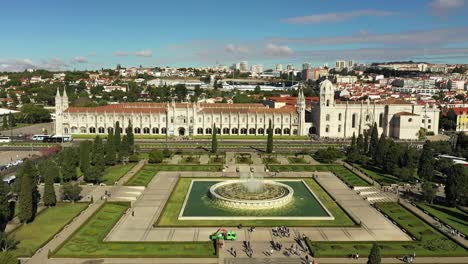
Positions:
(326, 85)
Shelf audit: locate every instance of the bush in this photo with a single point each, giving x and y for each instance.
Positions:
(155, 156)
(166, 153)
(133, 158)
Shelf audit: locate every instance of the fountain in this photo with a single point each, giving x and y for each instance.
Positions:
(251, 192)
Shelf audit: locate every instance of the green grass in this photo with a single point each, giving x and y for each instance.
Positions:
(144, 176)
(270, 160)
(219, 160)
(114, 173)
(378, 175)
(300, 168)
(190, 160)
(431, 242)
(297, 160)
(47, 223)
(349, 177)
(170, 213)
(87, 241)
(451, 216)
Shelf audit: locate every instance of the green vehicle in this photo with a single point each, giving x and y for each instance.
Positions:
(223, 234)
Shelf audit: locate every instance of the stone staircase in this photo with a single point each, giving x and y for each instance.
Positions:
(374, 194)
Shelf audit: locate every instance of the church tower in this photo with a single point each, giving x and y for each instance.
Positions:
(327, 94)
(300, 108)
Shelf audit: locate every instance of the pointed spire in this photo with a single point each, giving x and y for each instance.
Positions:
(65, 92)
(58, 93)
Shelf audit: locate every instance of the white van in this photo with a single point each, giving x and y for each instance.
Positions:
(5, 140)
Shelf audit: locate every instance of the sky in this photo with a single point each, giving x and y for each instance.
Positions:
(93, 34)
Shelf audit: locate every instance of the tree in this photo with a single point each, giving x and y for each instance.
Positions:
(4, 207)
(85, 149)
(181, 92)
(374, 140)
(429, 191)
(117, 139)
(7, 243)
(155, 156)
(5, 123)
(365, 147)
(11, 120)
(49, 191)
(97, 158)
(374, 255)
(26, 195)
(360, 144)
(214, 140)
(31, 113)
(328, 155)
(123, 151)
(379, 155)
(269, 148)
(110, 157)
(130, 138)
(69, 163)
(426, 163)
(93, 174)
(456, 188)
(71, 191)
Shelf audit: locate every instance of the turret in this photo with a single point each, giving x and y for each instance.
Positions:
(327, 94)
(300, 108)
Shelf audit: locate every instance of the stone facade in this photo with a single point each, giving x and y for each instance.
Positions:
(395, 118)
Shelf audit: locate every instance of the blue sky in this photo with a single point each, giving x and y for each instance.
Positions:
(93, 34)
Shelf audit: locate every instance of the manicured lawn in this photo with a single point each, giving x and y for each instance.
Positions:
(430, 242)
(348, 176)
(299, 168)
(297, 160)
(190, 160)
(451, 216)
(146, 174)
(87, 241)
(378, 175)
(49, 222)
(114, 173)
(270, 160)
(217, 160)
(169, 216)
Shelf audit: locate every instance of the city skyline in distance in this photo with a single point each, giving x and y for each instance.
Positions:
(59, 35)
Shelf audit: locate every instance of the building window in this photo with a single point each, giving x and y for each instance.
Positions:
(172, 120)
(83, 130)
(164, 119)
(339, 117)
(226, 119)
(155, 130)
(429, 127)
(235, 131)
(339, 128)
(208, 131)
(217, 120)
(92, 130)
(200, 131)
(109, 130)
(278, 119)
(428, 121)
(327, 128)
(261, 131)
(252, 119)
(353, 121)
(367, 118)
(327, 117)
(286, 120)
(286, 131)
(101, 130)
(410, 120)
(146, 130)
(277, 131)
(225, 130)
(261, 120)
(163, 130)
(328, 102)
(295, 132)
(137, 130)
(252, 131)
(381, 120)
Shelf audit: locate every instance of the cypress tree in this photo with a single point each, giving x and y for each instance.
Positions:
(365, 146)
(270, 138)
(117, 139)
(379, 154)
(374, 255)
(360, 143)
(50, 198)
(69, 165)
(123, 151)
(214, 140)
(5, 123)
(11, 120)
(26, 192)
(374, 140)
(4, 207)
(98, 154)
(130, 138)
(110, 158)
(85, 149)
(426, 163)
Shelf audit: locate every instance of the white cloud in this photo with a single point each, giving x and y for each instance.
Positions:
(144, 53)
(121, 54)
(15, 65)
(277, 50)
(79, 59)
(233, 48)
(441, 7)
(337, 16)
(425, 38)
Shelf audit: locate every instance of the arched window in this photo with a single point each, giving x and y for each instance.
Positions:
(339, 128)
(328, 102)
(208, 131)
(110, 130)
(74, 129)
(163, 130)
(225, 130)
(65, 130)
(218, 130)
(252, 131)
(92, 130)
(327, 129)
(295, 132)
(367, 118)
(286, 131)
(243, 131)
(339, 117)
(277, 131)
(137, 130)
(101, 130)
(155, 130)
(83, 130)
(200, 131)
(261, 131)
(327, 117)
(146, 130)
(235, 131)
(353, 121)
(381, 120)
